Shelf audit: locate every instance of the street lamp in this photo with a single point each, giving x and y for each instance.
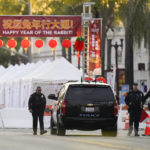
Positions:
(116, 46)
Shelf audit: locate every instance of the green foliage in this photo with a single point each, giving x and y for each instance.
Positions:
(4, 57)
(12, 7)
(67, 7)
(134, 17)
(80, 39)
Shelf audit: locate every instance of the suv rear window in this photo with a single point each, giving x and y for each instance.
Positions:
(92, 93)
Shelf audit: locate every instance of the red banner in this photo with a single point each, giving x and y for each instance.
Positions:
(40, 26)
(95, 47)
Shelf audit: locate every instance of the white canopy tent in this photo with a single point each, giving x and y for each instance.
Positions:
(18, 82)
(2, 70)
(50, 78)
(11, 74)
(61, 69)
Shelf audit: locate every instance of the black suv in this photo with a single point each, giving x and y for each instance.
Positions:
(84, 106)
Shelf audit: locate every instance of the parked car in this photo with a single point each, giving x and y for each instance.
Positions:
(84, 106)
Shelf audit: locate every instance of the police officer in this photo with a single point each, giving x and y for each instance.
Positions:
(36, 106)
(135, 101)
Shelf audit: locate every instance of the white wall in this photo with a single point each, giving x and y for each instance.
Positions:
(141, 55)
(115, 36)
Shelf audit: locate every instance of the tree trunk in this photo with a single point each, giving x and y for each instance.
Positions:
(129, 65)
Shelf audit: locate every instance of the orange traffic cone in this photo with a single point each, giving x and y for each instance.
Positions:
(147, 129)
(126, 127)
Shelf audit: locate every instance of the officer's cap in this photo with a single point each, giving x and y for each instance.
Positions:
(135, 84)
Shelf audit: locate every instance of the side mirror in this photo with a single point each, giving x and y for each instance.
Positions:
(52, 96)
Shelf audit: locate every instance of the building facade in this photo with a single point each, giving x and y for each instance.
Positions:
(141, 59)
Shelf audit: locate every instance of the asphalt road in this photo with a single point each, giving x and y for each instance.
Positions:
(22, 139)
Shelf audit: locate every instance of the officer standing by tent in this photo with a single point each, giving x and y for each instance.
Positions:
(36, 104)
(134, 100)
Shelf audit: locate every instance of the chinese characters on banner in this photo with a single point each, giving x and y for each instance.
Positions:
(95, 47)
(40, 26)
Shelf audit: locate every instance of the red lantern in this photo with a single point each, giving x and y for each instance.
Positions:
(66, 44)
(39, 43)
(79, 44)
(1, 43)
(25, 44)
(11, 44)
(52, 44)
(101, 79)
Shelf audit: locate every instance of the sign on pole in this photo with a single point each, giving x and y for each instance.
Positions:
(95, 46)
(124, 90)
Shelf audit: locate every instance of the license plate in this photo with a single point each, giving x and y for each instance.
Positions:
(89, 109)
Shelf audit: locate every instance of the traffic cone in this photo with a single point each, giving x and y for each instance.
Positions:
(126, 127)
(147, 129)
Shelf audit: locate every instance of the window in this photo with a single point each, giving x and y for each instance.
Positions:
(89, 93)
(141, 66)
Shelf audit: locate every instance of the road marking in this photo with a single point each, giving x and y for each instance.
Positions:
(104, 144)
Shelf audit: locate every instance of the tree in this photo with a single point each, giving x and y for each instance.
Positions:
(134, 16)
(21, 7)
(4, 57)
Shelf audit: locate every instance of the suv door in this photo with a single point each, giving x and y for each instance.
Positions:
(57, 106)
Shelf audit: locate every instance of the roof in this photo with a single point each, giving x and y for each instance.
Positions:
(85, 83)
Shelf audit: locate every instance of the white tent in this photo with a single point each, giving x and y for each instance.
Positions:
(2, 70)
(7, 86)
(49, 77)
(18, 82)
(61, 69)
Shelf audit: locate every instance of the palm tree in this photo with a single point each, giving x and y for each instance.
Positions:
(134, 16)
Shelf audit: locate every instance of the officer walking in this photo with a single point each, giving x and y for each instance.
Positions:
(135, 101)
(36, 106)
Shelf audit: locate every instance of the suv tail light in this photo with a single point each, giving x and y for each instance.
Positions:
(115, 108)
(63, 107)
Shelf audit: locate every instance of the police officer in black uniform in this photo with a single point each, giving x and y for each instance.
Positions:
(134, 100)
(36, 106)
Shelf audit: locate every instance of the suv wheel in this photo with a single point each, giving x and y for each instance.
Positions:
(110, 131)
(53, 130)
(60, 130)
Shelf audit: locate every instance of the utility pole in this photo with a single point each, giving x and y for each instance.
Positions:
(116, 46)
(30, 39)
